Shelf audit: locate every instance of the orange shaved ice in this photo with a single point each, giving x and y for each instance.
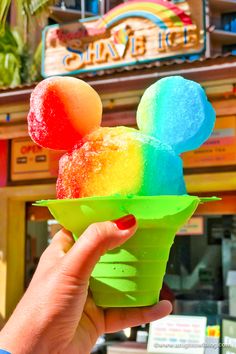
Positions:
(62, 111)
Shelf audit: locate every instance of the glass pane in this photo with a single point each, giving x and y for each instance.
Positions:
(38, 236)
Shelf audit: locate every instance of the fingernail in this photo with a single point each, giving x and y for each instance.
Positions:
(126, 222)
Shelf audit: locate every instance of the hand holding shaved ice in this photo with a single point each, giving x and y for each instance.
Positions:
(111, 172)
(68, 321)
(173, 116)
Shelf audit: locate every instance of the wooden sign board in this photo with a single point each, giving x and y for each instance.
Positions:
(219, 149)
(30, 161)
(135, 32)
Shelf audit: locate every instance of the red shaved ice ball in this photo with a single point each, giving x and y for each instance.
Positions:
(62, 111)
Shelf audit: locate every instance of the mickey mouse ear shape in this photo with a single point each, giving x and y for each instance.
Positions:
(177, 112)
(62, 111)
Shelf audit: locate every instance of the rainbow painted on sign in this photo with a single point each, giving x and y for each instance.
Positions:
(162, 13)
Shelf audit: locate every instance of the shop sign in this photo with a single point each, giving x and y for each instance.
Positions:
(195, 226)
(30, 161)
(132, 33)
(228, 336)
(219, 149)
(177, 335)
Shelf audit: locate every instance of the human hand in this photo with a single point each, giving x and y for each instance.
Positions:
(57, 313)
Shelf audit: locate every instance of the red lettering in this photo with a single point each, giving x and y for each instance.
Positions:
(27, 149)
(23, 150)
(80, 33)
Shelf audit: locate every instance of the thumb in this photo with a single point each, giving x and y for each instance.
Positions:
(94, 242)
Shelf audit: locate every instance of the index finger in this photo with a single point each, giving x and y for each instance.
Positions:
(93, 243)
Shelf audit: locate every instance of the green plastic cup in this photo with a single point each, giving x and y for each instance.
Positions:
(132, 274)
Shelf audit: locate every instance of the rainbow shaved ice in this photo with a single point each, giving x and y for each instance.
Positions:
(123, 171)
(119, 161)
(174, 115)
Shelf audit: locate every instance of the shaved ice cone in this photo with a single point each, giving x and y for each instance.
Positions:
(132, 274)
(142, 166)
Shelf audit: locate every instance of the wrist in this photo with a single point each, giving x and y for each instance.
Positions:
(14, 344)
(18, 338)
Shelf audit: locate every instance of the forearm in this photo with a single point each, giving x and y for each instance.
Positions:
(23, 334)
(21, 341)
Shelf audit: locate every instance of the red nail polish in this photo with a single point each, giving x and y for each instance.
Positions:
(126, 222)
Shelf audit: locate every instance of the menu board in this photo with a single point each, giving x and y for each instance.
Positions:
(177, 335)
(219, 149)
(228, 336)
(195, 226)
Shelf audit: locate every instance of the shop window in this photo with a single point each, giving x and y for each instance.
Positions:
(70, 4)
(229, 22)
(198, 267)
(40, 228)
(113, 3)
(229, 49)
(39, 235)
(91, 6)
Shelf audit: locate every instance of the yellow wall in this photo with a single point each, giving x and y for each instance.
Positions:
(12, 241)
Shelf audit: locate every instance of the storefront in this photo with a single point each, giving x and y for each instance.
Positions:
(203, 251)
